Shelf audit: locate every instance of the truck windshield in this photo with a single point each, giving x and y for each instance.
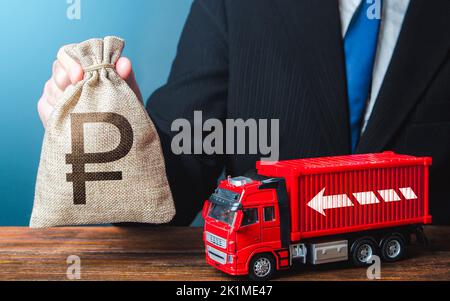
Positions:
(224, 204)
(222, 213)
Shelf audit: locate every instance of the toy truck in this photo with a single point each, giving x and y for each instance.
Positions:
(316, 211)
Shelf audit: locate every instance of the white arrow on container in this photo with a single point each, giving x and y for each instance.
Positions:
(320, 203)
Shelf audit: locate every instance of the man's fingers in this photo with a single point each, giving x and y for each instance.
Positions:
(73, 68)
(60, 76)
(124, 68)
(45, 110)
(125, 71)
(65, 71)
(51, 91)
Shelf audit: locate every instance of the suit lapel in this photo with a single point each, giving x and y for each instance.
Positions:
(422, 47)
(314, 38)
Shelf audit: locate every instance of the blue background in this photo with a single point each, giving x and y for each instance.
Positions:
(31, 32)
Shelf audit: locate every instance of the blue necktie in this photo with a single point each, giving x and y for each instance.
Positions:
(360, 45)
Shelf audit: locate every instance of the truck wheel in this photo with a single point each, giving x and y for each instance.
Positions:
(393, 247)
(362, 251)
(262, 267)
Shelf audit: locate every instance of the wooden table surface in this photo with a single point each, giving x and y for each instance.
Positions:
(121, 253)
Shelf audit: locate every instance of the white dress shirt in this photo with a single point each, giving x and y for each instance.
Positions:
(393, 14)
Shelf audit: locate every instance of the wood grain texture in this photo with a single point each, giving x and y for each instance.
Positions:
(130, 253)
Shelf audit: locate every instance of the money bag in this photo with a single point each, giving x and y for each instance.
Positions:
(101, 159)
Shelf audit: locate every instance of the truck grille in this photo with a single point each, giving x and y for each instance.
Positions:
(217, 255)
(216, 240)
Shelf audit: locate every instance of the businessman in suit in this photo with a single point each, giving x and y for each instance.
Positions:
(338, 81)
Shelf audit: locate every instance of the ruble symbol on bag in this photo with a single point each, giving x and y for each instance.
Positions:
(78, 158)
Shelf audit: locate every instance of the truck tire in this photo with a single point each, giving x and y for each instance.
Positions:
(393, 247)
(262, 267)
(362, 251)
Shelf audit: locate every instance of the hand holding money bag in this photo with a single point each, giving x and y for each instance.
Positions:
(101, 159)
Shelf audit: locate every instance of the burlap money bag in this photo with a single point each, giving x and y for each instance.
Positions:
(101, 160)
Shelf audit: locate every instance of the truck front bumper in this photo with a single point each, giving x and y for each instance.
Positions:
(223, 261)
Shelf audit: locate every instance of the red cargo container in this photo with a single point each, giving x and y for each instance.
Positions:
(318, 210)
(353, 193)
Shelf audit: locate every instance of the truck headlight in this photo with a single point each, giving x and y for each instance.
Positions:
(230, 259)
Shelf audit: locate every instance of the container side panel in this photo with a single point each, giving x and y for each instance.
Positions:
(364, 198)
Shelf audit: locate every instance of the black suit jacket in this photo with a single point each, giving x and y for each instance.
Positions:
(284, 59)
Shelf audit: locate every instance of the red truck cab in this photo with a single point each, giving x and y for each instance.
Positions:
(316, 210)
(242, 212)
